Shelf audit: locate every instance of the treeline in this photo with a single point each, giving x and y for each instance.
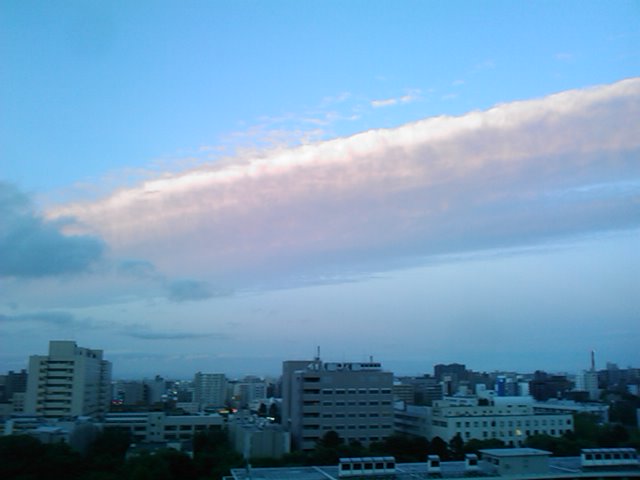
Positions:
(587, 434)
(25, 458)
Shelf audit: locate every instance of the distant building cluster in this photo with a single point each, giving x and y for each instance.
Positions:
(69, 395)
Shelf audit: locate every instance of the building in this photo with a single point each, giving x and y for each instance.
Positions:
(510, 419)
(12, 382)
(154, 427)
(71, 381)
(544, 386)
(412, 420)
(599, 410)
(210, 390)
(255, 437)
(353, 399)
(507, 463)
(248, 392)
(516, 461)
(587, 381)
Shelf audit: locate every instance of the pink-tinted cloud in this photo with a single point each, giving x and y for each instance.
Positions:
(442, 184)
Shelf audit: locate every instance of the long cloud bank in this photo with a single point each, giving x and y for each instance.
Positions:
(516, 174)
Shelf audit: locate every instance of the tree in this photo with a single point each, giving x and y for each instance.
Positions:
(474, 445)
(274, 412)
(213, 454)
(456, 445)
(439, 447)
(25, 457)
(405, 448)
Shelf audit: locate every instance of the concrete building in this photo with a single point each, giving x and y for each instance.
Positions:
(516, 461)
(289, 368)
(255, 437)
(353, 399)
(412, 419)
(210, 389)
(70, 381)
(160, 427)
(598, 410)
(249, 392)
(11, 383)
(587, 381)
(508, 463)
(510, 419)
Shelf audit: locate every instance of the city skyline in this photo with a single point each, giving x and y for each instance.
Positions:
(221, 187)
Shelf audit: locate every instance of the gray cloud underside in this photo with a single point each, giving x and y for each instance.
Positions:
(33, 247)
(517, 174)
(176, 290)
(67, 320)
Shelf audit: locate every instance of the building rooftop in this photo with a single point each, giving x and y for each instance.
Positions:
(514, 452)
(559, 468)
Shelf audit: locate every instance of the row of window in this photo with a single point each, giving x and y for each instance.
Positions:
(354, 415)
(347, 427)
(361, 403)
(348, 391)
(514, 433)
(348, 439)
(510, 423)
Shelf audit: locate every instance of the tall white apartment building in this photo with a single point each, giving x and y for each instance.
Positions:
(510, 419)
(353, 399)
(210, 389)
(70, 381)
(587, 381)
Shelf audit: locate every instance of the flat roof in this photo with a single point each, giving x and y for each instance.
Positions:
(514, 452)
(608, 450)
(568, 468)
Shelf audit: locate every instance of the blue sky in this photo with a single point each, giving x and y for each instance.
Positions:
(221, 186)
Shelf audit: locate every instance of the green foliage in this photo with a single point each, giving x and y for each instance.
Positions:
(439, 447)
(456, 445)
(162, 465)
(213, 455)
(474, 445)
(587, 434)
(107, 453)
(404, 448)
(26, 458)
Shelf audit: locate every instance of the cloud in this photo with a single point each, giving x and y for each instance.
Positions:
(563, 56)
(142, 333)
(410, 97)
(190, 290)
(140, 269)
(32, 247)
(54, 318)
(487, 179)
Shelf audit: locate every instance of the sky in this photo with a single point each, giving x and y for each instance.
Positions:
(221, 186)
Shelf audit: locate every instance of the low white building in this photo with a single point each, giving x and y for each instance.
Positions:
(599, 410)
(160, 427)
(510, 419)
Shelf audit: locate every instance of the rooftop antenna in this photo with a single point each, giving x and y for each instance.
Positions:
(593, 360)
(318, 353)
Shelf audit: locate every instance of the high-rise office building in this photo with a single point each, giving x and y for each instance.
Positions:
(70, 381)
(353, 399)
(210, 389)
